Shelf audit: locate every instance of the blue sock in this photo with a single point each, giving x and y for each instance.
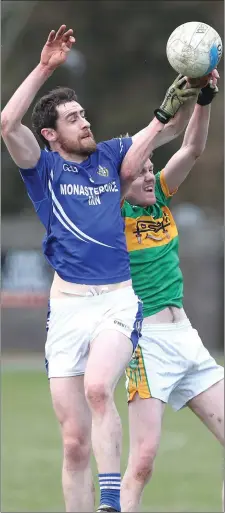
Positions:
(110, 490)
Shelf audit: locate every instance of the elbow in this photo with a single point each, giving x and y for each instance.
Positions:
(129, 172)
(129, 176)
(7, 125)
(196, 151)
(4, 125)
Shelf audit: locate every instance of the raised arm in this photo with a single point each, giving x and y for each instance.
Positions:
(194, 142)
(20, 141)
(164, 127)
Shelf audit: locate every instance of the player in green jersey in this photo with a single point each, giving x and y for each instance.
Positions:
(170, 365)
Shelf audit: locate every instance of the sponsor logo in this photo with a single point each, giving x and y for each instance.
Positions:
(201, 29)
(155, 230)
(121, 324)
(93, 193)
(71, 168)
(220, 50)
(103, 171)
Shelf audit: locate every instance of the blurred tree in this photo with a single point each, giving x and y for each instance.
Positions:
(124, 77)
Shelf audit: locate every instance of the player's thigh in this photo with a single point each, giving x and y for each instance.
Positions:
(145, 424)
(67, 345)
(209, 407)
(202, 373)
(157, 365)
(109, 355)
(71, 409)
(115, 337)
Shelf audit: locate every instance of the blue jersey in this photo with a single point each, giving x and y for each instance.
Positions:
(79, 205)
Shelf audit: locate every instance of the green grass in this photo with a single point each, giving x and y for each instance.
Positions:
(188, 470)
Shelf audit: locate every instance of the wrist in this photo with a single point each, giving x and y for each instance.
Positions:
(162, 116)
(157, 124)
(44, 70)
(206, 95)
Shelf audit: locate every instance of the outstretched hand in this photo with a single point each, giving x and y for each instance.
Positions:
(201, 82)
(175, 97)
(210, 91)
(57, 47)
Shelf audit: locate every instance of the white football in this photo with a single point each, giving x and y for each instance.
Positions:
(194, 49)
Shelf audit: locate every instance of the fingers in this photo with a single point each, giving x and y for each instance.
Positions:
(68, 35)
(178, 78)
(71, 41)
(68, 42)
(213, 86)
(66, 47)
(61, 34)
(215, 73)
(51, 36)
(190, 93)
(215, 76)
(181, 81)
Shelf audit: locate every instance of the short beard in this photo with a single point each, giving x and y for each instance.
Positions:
(78, 149)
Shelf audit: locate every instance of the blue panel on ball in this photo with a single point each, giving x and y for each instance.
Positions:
(213, 57)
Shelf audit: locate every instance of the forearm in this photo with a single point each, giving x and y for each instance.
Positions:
(180, 165)
(197, 130)
(151, 137)
(177, 124)
(183, 116)
(143, 144)
(21, 100)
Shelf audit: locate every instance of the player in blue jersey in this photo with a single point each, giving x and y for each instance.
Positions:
(94, 316)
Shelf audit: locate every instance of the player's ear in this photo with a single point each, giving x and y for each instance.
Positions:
(49, 134)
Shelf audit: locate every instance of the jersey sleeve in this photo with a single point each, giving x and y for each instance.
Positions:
(117, 149)
(36, 182)
(163, 195)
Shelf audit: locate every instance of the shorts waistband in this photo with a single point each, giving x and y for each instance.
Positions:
(166, 326)
(60, 288)
(88, 296)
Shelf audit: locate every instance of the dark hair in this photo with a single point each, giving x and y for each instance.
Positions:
(45, 114)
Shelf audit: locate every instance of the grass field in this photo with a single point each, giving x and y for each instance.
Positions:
(188, 470)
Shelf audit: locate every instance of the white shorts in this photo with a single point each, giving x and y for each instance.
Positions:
(74, 322)
(171, 364)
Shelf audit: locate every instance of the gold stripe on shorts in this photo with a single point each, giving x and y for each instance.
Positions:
(137, 381)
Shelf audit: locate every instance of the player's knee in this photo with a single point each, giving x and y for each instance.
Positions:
(76, 451)
(144, 465)
(98, 395)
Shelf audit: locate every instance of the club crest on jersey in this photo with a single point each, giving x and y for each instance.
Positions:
(103, 171)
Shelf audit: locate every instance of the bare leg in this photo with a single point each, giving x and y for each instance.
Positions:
(110, 353)
(145, 420)
(209, 407)
(75, 419)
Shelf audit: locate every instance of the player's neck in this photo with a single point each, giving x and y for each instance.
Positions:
(71, 157)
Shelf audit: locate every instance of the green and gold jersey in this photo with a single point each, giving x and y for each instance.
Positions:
(152, 242)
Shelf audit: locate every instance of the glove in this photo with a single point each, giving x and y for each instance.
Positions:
(176, 96)
(207, 94)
